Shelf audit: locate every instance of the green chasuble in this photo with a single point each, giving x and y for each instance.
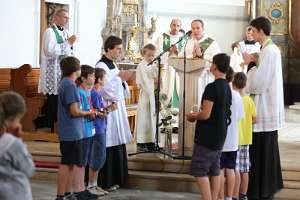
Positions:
(167, 42)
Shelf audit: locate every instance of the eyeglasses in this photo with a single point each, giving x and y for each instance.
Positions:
(66, 18)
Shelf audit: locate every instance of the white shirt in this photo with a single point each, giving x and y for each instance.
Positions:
(237, 113)
(50, 73)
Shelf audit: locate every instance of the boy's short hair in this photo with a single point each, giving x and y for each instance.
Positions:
(12, 105)
(262, 23)
(240, 80)
(85, 71)
(150, 47)
(222, 61)
(99, 74)
(69, 65)
(229, 74)
(111, 42)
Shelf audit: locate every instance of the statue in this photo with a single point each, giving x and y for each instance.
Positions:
(132, 52)
(152, 29)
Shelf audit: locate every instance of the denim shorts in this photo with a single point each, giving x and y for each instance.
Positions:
(98, 152)
(205, 162)
(85, 149)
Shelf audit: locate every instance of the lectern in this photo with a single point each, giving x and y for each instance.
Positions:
(194, 68)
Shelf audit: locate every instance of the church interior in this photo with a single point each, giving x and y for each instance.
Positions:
(139, 22)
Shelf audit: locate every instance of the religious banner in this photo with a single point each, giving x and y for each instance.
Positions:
(278, 13)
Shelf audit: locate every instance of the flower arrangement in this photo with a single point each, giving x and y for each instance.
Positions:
(167, 113)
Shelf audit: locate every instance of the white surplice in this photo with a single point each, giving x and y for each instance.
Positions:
(168, 74)
(206, 77)
(249, 48)
(118, 130)
(50, 73)
(266, 83)
(146, 118)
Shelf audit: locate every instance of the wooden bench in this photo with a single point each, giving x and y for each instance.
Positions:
(5, 79)
(25, 81)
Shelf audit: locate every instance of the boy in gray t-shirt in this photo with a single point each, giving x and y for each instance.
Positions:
(16, 165)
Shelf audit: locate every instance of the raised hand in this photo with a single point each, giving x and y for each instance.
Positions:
(72, 39)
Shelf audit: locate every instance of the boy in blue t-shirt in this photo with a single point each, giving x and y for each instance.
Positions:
(70, 126)
(86, 80)
(98, 150)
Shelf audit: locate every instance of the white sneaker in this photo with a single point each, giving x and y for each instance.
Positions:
(104, 191)
(113, 188)
(96, 191)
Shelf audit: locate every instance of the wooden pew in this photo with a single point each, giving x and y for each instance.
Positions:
(5, 79)
(25, 82)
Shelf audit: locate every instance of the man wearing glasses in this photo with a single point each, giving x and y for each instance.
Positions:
(56, 44)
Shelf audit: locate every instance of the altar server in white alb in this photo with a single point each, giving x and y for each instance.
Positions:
(170, 79)
(57, 43)
(266, 85)
(249, 45)
(146, 118)
(115, 170)
(201, 45)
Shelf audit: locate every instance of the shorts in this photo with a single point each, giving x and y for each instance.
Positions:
(85, 148)
(71, 152)
(205, 162)
(98, 152)
(243, 159)
(228, 160)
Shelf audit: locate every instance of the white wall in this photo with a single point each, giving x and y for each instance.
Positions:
(224, 20)
(17, 34)
(20, 25)
(92, 18)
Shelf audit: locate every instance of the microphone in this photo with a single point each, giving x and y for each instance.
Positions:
(188, 33)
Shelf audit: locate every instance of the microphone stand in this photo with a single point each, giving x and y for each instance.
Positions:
(156, 148)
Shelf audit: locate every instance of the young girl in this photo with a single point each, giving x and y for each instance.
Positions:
(16, 164)
(145, 78)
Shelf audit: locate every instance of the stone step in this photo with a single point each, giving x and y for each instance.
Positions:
(45, 174)
(157, 164)
(170, 182)
(291, 175)
(292, 185)
(288, 194)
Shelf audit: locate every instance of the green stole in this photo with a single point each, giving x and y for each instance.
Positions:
(205, 44)
(59, 40)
